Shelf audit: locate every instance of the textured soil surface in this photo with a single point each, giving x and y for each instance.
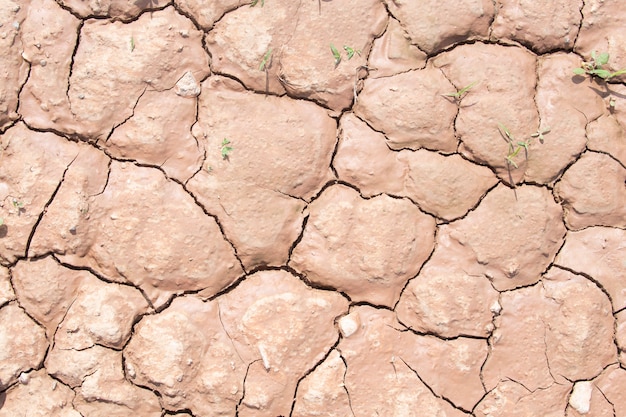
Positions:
(213, 209)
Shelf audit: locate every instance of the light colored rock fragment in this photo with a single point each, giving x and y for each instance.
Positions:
(445, 186)
(375, 357)
(511, 399)
(32, 167)
(599, 252)
(602, 31)
(510, 240)
(138, 205)
(159, 133)
(447, 301)
(14, 67)
(504, 94)
(185, 354)
(433, 25)
(368, 249)
(393, 52)
(409, 109)
(322, 392)
(283, 328)
(187, 86)
(542, 26)
(298, 63)
(565, 107)
(349, 324)
(580, 397)
(593, 192)
(116, 9)
(42, 396)
(23, 344)
(115, 64)
(6, 290)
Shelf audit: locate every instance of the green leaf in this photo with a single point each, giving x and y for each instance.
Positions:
(226, 150)
(616, 73)
(132, 44)
(1, 221)
(602, 59)
(265, 60)
(336, 54)
(601, 73)
(579, 71)
(254, 3)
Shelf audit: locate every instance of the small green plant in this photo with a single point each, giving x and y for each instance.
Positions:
(351, 51)
(462, 92)
(254, 3)
(18, 204)
(132, 44)
(539, 134)
(1, 221)
(266, 61)
(594, 67)
(336, 54)
(516, 146)
(226, 150)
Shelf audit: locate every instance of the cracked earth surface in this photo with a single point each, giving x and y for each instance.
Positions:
(359, 246)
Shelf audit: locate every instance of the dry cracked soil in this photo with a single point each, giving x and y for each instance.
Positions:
(312, 208)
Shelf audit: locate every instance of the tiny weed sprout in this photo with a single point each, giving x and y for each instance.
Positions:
(266, 61)
(132, 44)
(516, 146)
(336, 54)
(594, 67)
(350, 52)
(462, 92)
(1, 221)
(18, 204)
(539, 134)
(226, 150)
(254, 3)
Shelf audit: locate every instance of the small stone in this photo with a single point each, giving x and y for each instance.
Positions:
(581, 396)
(24, 378)
(349, 324)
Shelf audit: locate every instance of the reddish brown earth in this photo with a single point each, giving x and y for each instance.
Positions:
(362, 249)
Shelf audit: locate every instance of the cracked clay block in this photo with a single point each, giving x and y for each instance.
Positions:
(40, 396)
(14, 68)
(611, 383)
(23, 344)
(434, 25)
(115, 63)
(593, 192)
(599, 252)
(510, 240)
(365, 248)
(207, 13)
(512, 399)
(282, 328)
(185, 354)
(445, 186)
(541, 25)
(409, 109)
(115, 9)
(504, 94)
(558, 330)
(393, 52)
(33, 164)
(620, 335)
(6, 290)
(137, 206)
(378, 354)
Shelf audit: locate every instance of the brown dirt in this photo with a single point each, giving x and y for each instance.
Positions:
(206, 213)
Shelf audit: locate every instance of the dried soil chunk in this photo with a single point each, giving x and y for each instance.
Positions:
(41, 396)
(608, 134)
(185, 354)
(379, 355)
(445, 186)
(509, 240)
(602, 30)
(511, 399)
(448, 302)
(599, 252)
(593, 191)
(283, 329)
(620, 335)
(409, 109)
(504, 94)
(434, 25)
(14, 67)
(611, 384)
(23, 344)
(587, 399)
(115, 9)
(159, 133)
(207, 13)
(567, 122)
(367, 248)
(50, 35)
(322, 391)
(137, 208)
(393, 52)
(6, 290)
(541, 25)
(33, 164)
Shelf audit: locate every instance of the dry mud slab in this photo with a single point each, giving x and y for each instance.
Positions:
(312, 208)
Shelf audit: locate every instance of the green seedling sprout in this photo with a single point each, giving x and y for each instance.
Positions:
(254, 3)
(539, 134)
(350, 52)
(594, 67)
(226, 150)
(266, 61)
(132, 44)
(461, 93)
(18, 204)
(336, 54)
